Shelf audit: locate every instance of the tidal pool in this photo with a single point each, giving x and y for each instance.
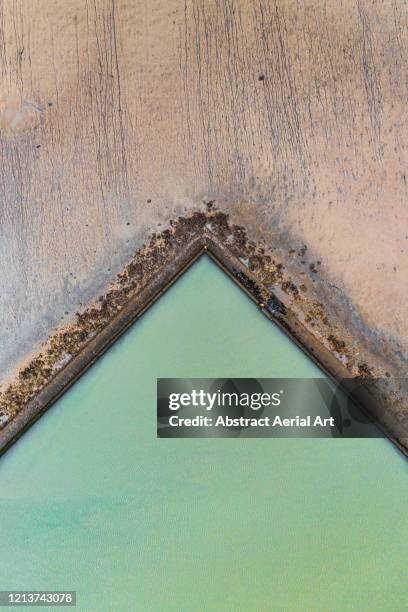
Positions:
(93, 501)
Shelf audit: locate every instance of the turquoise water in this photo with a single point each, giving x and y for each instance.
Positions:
(92, 501)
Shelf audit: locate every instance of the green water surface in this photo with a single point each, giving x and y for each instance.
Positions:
(92, 501)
